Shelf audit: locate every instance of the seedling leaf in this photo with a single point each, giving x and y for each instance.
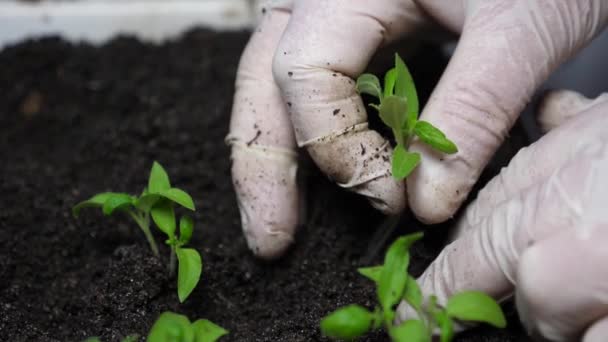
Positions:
(389, 82)
(476, 306)
(186, 226)
(373, 273)
(433, 137)
(180, 197)
(411, 330)
(392, 112)
(131, 338)
(146, 201)
(413, 294)
(207, 331)
(189, 271)
(394, 274)
(347, 323)
(369, 84)
(159, 180)
(171, 327)
(95, 201)
(164, 217)
(404, 162)
(92, 339)
(445, 324)
(117, 201)
(405, 88)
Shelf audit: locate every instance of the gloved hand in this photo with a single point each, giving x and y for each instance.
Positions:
(540, 229)
(295, 88)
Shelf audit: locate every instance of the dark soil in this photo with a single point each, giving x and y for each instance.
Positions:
(76, 120)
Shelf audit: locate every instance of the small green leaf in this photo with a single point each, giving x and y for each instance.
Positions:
(180, 197)
(146, 201)
(207, 331)
(95, 201)
(369, 84)
(347, 323)
(389, 82)
(433, 137)
(117, 201)
(164, 217)
(159, 180)
(411, 330)
(373, 273)
(404, 162)
(394, 275)
(405, 88)
(92, 339)
(476, 306)
(171, 327)
(186, 226)
(412, 294)
(445, 324)
(189, 271)
(392, 112)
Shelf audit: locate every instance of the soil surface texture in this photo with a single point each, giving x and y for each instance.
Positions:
(77, 119)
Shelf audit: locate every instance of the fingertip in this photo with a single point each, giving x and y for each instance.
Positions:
(435, 192)
(264, 180)
(386, 195)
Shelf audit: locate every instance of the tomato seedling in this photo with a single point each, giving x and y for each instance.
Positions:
(398, 109)
(158, 201)
(394, 284)
(178, 328)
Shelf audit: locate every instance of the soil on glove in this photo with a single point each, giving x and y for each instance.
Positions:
(76, 120)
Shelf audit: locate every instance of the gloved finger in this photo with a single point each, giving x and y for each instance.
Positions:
(535, 163)
(562, 283)
(558, 106)
(326, 44)
(486, 257)
(264, 162)
(597, 332)
(506, 50)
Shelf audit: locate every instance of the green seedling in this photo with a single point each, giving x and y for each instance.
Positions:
(158, 202)
(178, 328)
(398, 109)
(393, 285)
(172, 327)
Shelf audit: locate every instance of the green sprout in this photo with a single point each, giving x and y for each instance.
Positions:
(178, 328)
(158, 201)
(398, 109)
(394, 284)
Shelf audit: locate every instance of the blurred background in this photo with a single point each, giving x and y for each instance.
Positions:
(96, 21)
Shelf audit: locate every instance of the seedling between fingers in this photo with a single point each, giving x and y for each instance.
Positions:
(393, 285)
(157, 202)
(398, 109)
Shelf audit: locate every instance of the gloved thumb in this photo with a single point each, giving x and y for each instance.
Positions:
(506, 50)
(557, 106)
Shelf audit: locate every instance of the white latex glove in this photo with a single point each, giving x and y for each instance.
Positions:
(295, 88)
(540, 229)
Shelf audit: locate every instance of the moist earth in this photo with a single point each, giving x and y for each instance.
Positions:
(77, 119)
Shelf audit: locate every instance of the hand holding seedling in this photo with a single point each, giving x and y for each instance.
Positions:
(398, 109)
(158, 201)
(394, 285)
(295, 87)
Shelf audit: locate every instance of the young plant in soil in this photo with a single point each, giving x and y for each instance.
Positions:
(158, 201)
(394, 284)
(398, 109)
(178, 328)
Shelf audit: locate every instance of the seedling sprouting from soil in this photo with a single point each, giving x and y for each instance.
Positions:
(394, 284)
(398, 109)
(158, 201)
(178, 328)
